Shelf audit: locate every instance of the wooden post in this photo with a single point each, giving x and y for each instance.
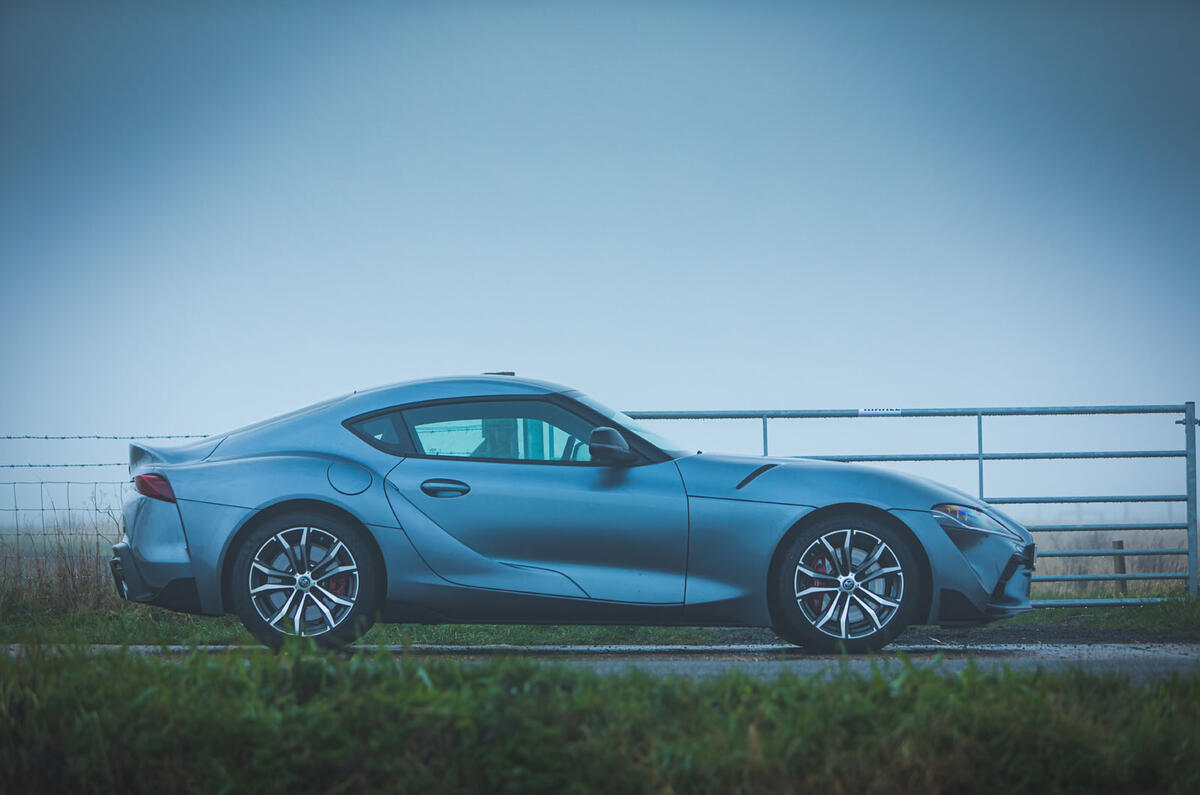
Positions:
(1119, 566)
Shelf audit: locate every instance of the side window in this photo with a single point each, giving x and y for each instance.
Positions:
(513, 430)
(380, 430)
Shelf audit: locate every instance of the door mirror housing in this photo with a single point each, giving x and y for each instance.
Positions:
(609, 447)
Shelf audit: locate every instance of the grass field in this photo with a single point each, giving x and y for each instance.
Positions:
(1134, 564)
(305, 721)
(76, 720)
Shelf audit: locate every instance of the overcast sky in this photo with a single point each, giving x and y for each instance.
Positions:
(210, 214)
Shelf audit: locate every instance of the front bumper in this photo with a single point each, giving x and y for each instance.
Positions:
(976, 577)
(1009, 597)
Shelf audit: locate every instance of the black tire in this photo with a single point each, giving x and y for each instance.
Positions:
(837, 614)
(318, 597)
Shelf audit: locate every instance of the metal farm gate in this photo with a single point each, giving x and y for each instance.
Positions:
(1186, 412)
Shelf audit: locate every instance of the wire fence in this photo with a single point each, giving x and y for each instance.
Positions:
(1134, 560)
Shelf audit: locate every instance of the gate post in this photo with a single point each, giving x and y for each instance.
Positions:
(979, 437)
(1189, 430)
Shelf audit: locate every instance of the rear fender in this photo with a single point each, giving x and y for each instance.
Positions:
(218, 499)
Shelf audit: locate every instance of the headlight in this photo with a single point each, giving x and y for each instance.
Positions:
(960, 517)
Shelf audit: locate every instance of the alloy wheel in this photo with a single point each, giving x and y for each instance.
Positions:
(303, 581)
(849, 583)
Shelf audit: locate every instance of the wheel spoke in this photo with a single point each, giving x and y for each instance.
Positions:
(845, 613)
(830, 612)
(866, 608)
(304, 550)
(272, 586)
(330, 556)
(832, 555)
(270, 571)
(848, 553)
(338, 570)
(816, 575)
(299, 612)
(324, 610)
(870, 559)
(283, 610)
(287, 551)
(881, 600)
(337, 600)
(875, 575)
(812, 591)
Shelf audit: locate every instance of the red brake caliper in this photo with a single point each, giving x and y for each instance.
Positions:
(338, 585)
(817, 601)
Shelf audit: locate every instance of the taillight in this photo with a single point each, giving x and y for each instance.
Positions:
(155, 487)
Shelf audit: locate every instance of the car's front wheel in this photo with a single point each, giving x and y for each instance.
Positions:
(846, 581)
(306, 575)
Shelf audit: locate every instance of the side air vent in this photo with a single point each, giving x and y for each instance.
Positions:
(746, 480)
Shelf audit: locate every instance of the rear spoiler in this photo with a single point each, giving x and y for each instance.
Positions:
(143, 456)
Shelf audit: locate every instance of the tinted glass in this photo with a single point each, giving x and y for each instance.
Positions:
(380, 429)
(511, 430)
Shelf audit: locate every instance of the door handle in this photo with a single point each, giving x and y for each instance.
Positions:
(442, 487)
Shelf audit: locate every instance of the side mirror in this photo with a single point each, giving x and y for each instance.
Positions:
(609, 447)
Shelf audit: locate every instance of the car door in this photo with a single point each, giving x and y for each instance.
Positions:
(510, 481)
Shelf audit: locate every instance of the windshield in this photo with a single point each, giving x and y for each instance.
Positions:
(625, 421)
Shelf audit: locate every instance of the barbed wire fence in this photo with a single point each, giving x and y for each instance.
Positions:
(41, 502)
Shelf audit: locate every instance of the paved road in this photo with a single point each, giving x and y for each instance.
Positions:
(1137, 660)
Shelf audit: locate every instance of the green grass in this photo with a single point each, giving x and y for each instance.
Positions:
(1174, 619)
(310, 722)
(138, 624)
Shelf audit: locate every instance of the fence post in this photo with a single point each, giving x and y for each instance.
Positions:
(1189, 430)
(764, 434)
(1119, 565)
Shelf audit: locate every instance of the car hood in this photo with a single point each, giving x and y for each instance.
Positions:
(806, 481)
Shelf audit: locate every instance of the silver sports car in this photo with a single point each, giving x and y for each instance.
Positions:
(497, 499)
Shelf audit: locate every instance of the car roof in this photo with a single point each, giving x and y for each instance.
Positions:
(443, 388)
(280, 431)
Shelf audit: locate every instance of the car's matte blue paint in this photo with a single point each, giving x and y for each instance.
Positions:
(668, 542)
(457, 563)
(213, 528)
(157, 540)
(732, 542)
(586, 522)
(801, 481)
(349, 479)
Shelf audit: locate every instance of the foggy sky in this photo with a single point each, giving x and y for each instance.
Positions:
(210, 214)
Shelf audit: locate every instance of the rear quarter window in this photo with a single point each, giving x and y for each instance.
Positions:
(383, 431)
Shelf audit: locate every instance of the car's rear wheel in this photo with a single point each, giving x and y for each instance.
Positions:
(846, 582)
(306, 575)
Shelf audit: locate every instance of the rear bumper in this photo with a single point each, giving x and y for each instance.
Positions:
(178, 593)
(152, 564)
